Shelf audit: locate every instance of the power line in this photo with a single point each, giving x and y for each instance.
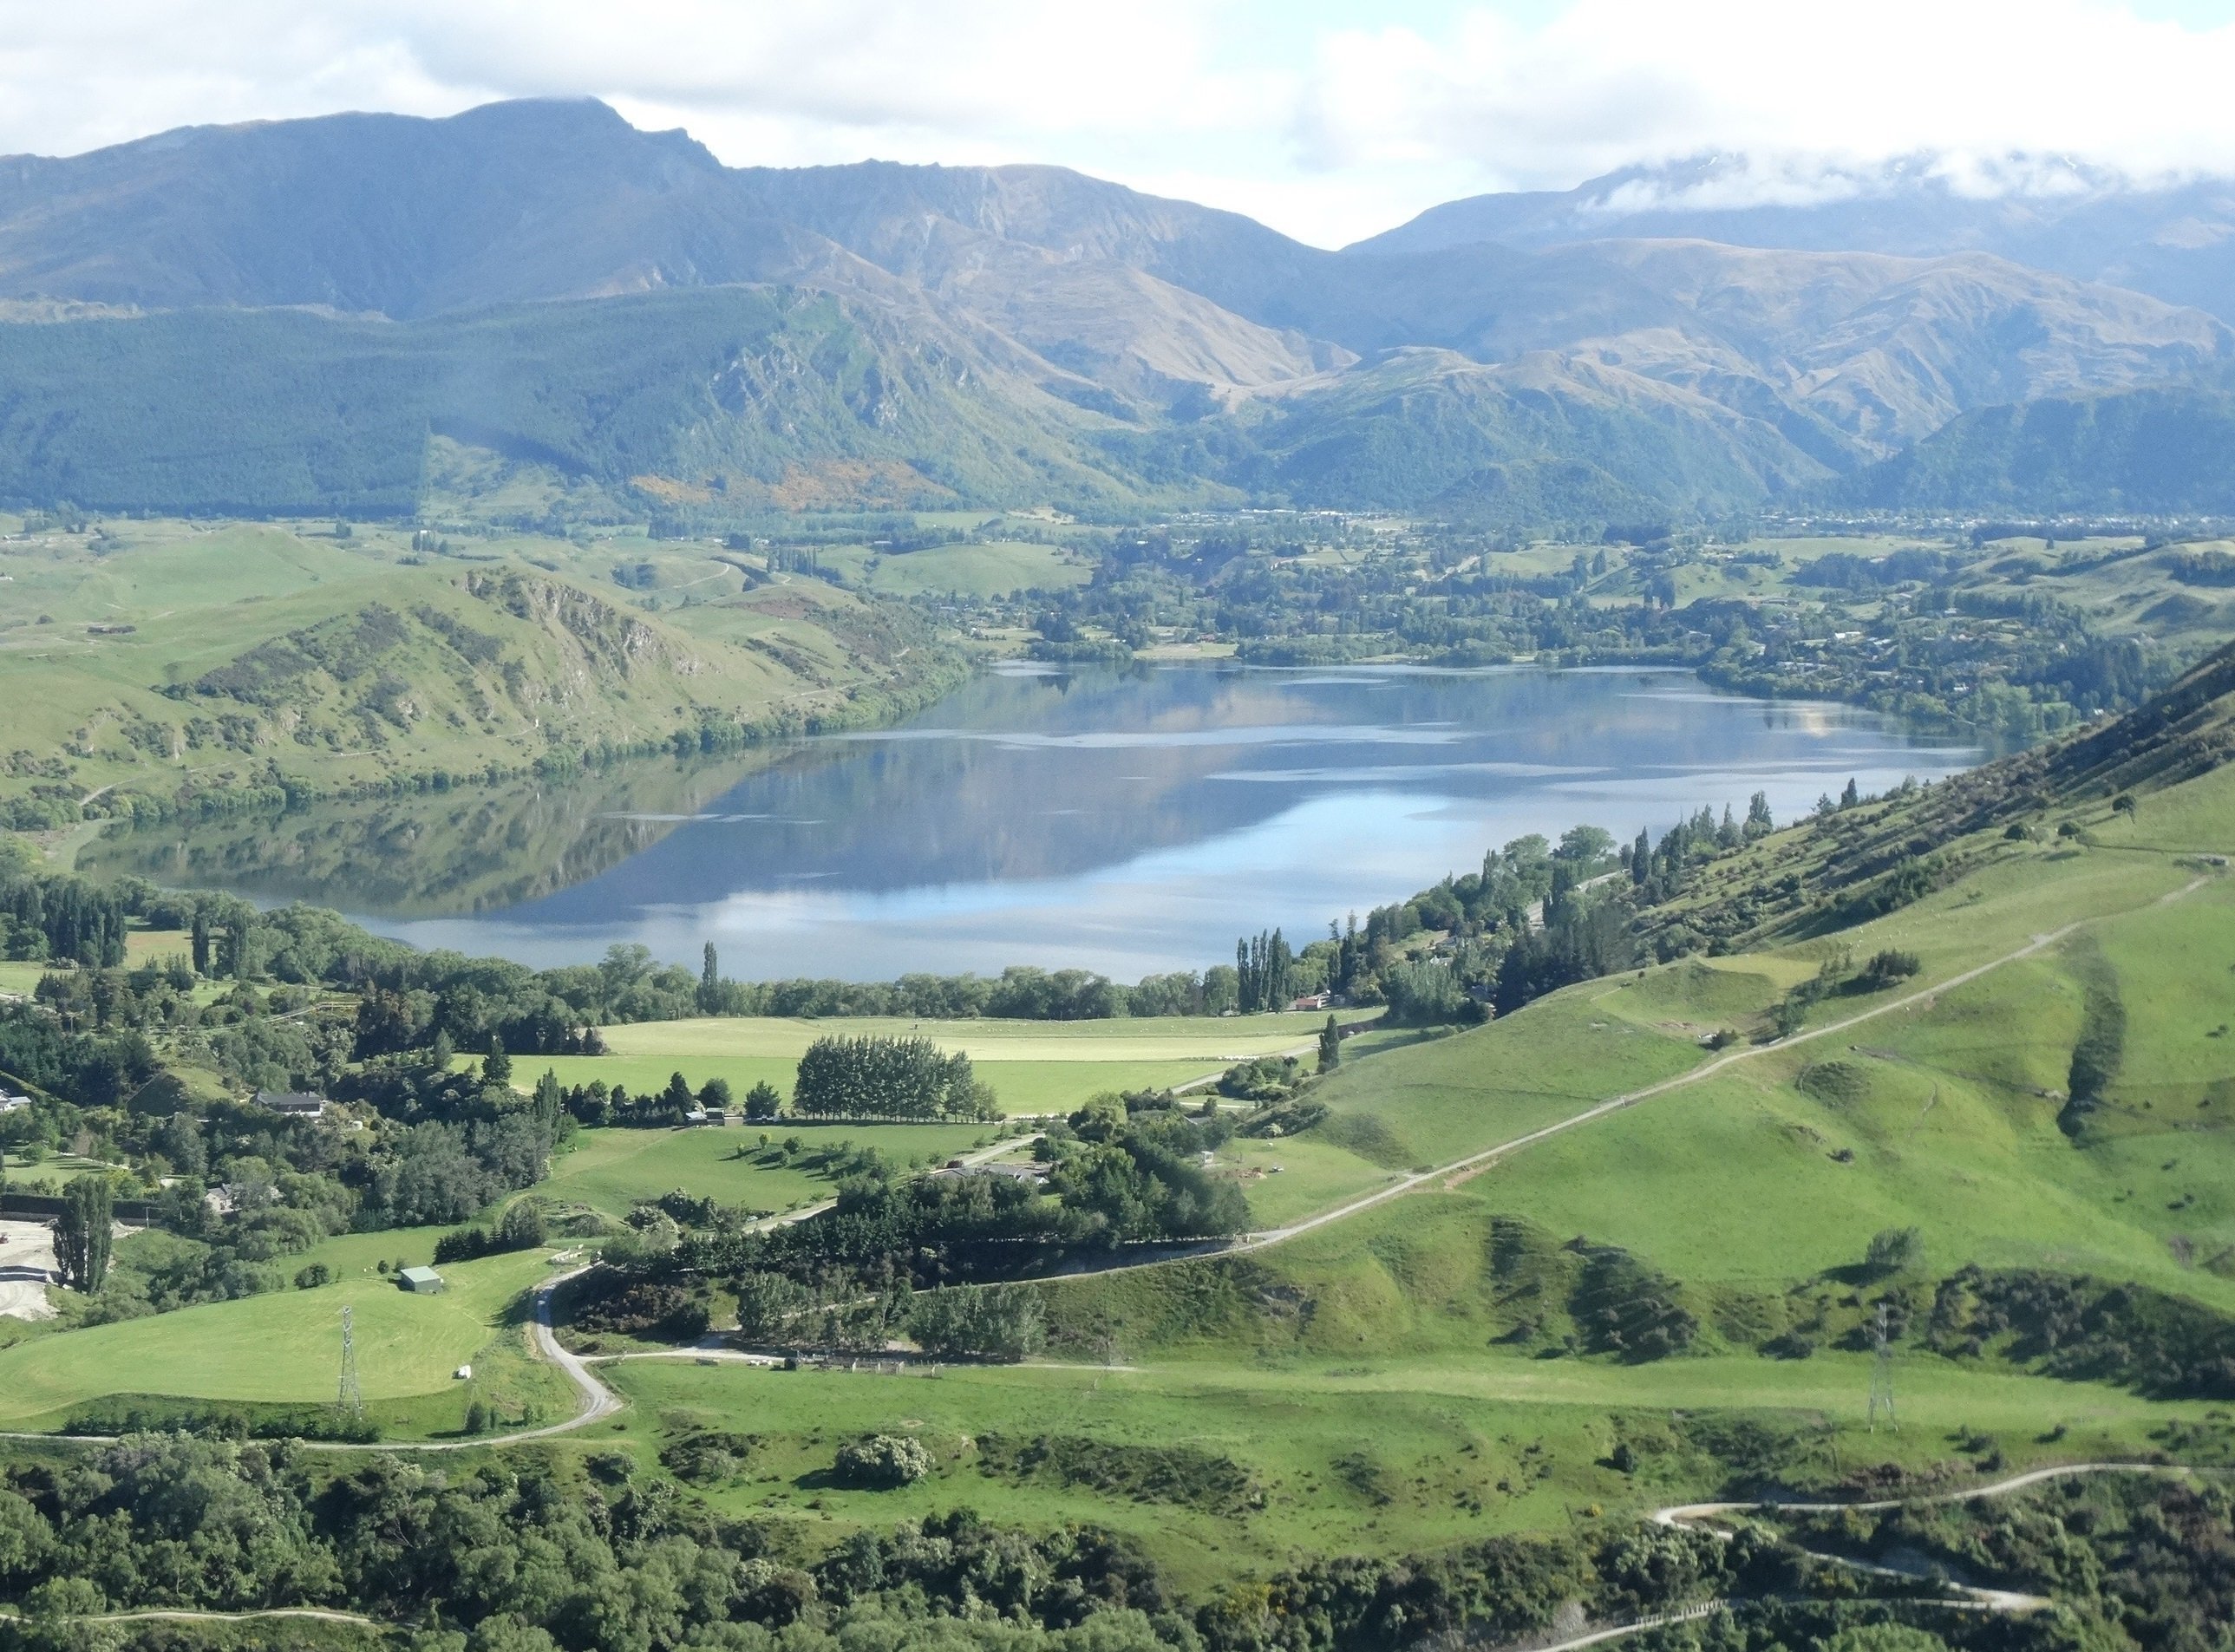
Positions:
(1882, 1375)
(351, 1397)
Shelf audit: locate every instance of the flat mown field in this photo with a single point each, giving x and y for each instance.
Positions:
(1033, 1066)
(612, 1170)
(286, 1346)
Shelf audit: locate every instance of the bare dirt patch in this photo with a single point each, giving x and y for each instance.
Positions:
(27, 1261)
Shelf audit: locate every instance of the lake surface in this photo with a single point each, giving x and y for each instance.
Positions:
(1126, 822)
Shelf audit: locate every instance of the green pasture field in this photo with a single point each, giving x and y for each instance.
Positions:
(1022, 1088)
(284, 1347)
(1208, 1041)
(1216, 1467)
(611, 1170)
(141, 946)
(1033, 1066)
(1287, 1179)
(992, 570)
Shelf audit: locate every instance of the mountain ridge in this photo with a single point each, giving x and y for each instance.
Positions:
(2174, 240)
(1113, 329)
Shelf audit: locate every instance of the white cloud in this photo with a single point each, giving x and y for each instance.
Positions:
(1328, 132)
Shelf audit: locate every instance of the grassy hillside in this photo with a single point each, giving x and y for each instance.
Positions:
(161, 664)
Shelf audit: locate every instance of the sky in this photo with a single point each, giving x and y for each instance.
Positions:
(1328, 118)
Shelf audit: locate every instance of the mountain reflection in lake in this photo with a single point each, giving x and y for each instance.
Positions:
(1125, 822)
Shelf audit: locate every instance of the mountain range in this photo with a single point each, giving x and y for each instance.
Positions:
(342, 313)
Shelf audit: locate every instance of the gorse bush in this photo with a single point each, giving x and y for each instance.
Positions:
(882, 1462)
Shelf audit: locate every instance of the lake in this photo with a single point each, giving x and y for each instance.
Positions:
(1129, 822)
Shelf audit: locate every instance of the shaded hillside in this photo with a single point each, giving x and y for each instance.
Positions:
(729, 392)
(2162, 451)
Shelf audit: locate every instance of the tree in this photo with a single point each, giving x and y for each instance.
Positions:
(496, 1065)
(710, 983)
(1330, 1046)
(1585, 845)
(767, 1303)
(201, 943)
(887, 1078)
(81, 1232)
(1894, 1250)
(715, 1092)
(1851, 795)
(523, 1227)
(676, 1100)
(2123, 803)
(235, 959)
(1758, 821)
(762, 1102)
(550, 1101)
(989, 1322)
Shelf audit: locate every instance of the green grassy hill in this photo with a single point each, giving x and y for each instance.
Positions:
(160, 663)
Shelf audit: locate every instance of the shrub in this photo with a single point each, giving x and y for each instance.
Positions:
(882, 1462)
(311, 1278)
(708, 1456)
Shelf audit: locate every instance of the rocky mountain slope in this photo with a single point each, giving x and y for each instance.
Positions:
(1001, 334)
(2173, 240)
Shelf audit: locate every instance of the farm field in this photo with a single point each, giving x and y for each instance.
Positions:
(611, 1170)
(285, 1347)
(1033, 1066)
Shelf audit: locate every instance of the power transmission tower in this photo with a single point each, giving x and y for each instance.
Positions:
(1882, 1376)
(351, 1399)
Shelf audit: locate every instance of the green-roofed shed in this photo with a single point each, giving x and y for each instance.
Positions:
(424, 1281)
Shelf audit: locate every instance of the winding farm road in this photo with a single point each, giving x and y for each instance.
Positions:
(1963, 1597)
(1459, 1168)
